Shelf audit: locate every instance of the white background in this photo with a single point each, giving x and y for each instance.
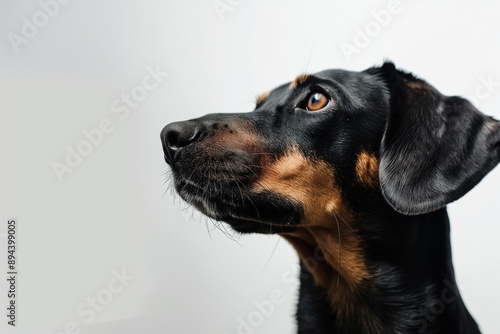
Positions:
(109, 213)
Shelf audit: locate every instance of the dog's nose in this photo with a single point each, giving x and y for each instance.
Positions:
(177, 135)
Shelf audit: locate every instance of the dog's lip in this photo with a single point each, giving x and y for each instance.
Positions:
(227, 207)
(245, 225)
(216, 206)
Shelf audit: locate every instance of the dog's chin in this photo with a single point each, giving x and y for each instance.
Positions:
(246, 212)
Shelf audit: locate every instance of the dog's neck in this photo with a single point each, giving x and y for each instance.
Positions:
(400, 280)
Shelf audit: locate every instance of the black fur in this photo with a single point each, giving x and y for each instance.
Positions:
(432, 149)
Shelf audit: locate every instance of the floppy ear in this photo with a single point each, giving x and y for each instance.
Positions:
(435, 148)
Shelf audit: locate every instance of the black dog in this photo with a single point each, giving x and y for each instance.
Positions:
(354, 169)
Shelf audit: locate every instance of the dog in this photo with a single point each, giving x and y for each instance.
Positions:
(354, 170)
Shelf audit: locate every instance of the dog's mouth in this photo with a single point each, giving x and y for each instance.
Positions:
(220, 189)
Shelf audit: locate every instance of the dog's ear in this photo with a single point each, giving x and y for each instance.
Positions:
(435, 148)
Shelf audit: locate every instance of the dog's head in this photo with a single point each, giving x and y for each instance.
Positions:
(319, 145)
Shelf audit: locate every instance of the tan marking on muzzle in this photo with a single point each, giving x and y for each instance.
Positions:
(239, 136)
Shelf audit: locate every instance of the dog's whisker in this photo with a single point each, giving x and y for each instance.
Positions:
(270, 256)
(223, 229)
(345, 222)
(208, 229)
(247, 167)
(239, 189)
(189, 178)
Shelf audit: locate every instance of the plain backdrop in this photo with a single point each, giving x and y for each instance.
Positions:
(113, 212)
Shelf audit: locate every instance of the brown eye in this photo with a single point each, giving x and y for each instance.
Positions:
(316, 101)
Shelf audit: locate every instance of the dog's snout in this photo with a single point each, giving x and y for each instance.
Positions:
(180, 134)
(177, 135)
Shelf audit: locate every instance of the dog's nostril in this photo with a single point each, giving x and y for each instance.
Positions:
(173, 140)
(180, 134)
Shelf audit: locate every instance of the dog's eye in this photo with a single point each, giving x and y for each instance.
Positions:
(317, 101)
